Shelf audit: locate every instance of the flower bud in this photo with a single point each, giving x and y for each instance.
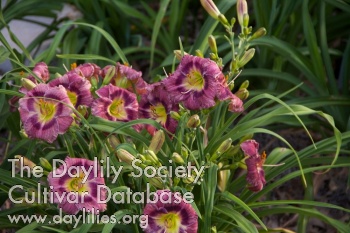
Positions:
(157, 141)
(211, 8)
(125, 156)
(259, 33)
(245, 20)
(243, 94)
(150, 155)
(194, 121)
(199, 53)
(248, 55)
(244, 85)
(179, 54)
(109, 75)
(242, 8)
(177, 158)
(156, 182)
(23, 134)
(223, 20)
(184, 152)
(225, 145)
(27, 84)
(113, 141)
(212, 44)
(45, 164)
(175, 115)
(233, 21)
(188, 180)
(223, 176)
(83, 110)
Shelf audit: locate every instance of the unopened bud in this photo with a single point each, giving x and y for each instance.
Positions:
(179, 54)
(223, 20)
(125, 156)
(194, 121)
(177, 158)
(211, 8)
(245, 20)
(233, 21)
(212, 44)
(243, 94)
(225, 145)
(223, 176)
(184, 152)
(27, 84)
(156, 182)
(234, 65)
(259, 33)
(152, 157)
(199, 53)
(23, 134)
(45, 164)
(188, 180)
(109, 75)
(83, 110)
(244, 85)
(157, 141)
(248, 55)
(175, 115)
(242, 8)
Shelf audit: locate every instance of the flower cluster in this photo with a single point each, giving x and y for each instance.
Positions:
(48, 109)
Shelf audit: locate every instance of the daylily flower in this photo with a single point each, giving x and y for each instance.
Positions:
(126, 77)
(255, 173)
(73, 191)
(41, 70)
(198, 83)
(78, 88)
(157, 104)
(87, 70)
(45, 112)
(115, 104)
(170, 214)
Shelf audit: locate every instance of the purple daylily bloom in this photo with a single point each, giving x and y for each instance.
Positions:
(255, 173)
(78, 88)
(115, 104)
(45, 112)
(170, 214)
(156, 105)
(75, 192)
(199, 83)
(126, 77)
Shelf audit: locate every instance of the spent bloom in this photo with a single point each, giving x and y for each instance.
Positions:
(169, 213)
(73, 191)
(198, 83)
(125, 77)
(157, 105)
(255, 173)
(77, 87)
(115, 104)
(45, 112)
